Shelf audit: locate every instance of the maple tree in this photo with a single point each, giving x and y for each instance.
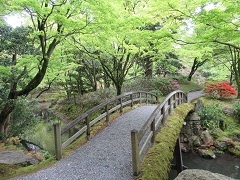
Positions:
(220, 89)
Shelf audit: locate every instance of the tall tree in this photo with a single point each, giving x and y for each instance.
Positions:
(53, 22)
(219, 23)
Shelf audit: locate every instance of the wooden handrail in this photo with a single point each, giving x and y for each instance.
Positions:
(147, 133)
(122, 100)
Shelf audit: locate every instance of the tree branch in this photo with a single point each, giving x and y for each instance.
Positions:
(227, 44)
(49, 86)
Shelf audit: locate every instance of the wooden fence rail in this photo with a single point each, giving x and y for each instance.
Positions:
(104, 109)
(146, 135)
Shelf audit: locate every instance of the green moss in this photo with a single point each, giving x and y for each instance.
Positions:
(156, 164)
(207, 153)
(234, 151)
(9, 171)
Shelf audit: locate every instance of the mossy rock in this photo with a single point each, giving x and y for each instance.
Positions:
(157, 161)
(234, 151)
(206, 153)
(6, 169)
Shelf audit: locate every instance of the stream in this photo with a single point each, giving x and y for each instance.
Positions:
(223, 164)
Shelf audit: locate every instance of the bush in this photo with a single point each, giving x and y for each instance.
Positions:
(236, 108)
(210, 116)
(23, 117)
(138, 84)
(220, 89)
(164, 86)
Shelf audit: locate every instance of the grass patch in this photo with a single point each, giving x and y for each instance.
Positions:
(10, 171)
(189, 86)
(157, 161)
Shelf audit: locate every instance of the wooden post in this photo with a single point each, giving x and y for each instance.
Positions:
(140, 97)
(178, 156)
(121, 108)
(157, 101)
(186, 100)
(107, 116)
(177, 99)
(131, 96)
(88, 127)
(153, 129)
(135, 153)
(164, 114)
(182, 98)
(58, 141)
(171, 104)
(147, 97)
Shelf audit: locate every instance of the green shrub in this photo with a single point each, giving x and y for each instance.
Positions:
(210, 116)
(164, 86)
(236, 108)
(220, 89)
(138, 84)
(23, 117)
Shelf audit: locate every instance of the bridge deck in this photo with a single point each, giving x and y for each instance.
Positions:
(105, 157)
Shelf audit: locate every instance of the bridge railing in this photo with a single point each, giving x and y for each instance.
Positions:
(141, 140)
(83, 123)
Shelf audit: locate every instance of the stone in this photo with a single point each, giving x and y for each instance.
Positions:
(235, 151)
(198, 174)
(206, 153)
(15, 157)
(199, 106)
(184, 147)
(221, 145)
(236, 137)
(185, 139)
(196, 141)
(194, 117)
(229, 111)
(206, 138)
(226, 139)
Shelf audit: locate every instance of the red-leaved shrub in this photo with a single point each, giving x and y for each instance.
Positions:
(220, 89)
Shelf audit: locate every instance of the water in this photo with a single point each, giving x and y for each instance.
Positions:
(223, 164)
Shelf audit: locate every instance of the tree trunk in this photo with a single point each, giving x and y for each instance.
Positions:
(119, 89)
(148, 67)
(5, 118)
(94, 76)
(195, 66)
(231, 78)
(106, 81)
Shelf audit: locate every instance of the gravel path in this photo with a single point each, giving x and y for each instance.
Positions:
(195, 94)
(105, 157)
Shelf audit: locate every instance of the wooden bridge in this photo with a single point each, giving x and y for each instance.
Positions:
(140, 139)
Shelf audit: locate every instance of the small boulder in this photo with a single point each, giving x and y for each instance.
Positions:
(235, 150)
(221, 145)
(15, 157)
(196, 141)
(184, 147)
(206, 153)
(191, 174)
(229, 111)
(236, 137)
(199, 106)
(227, 140)
(206, 138)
